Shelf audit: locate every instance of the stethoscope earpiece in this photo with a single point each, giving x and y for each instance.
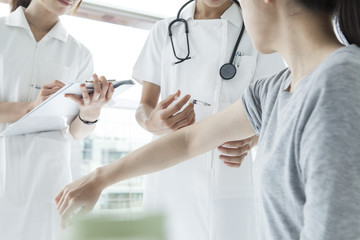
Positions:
(228, 71)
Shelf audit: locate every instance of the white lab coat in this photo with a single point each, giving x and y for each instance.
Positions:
(203, 198)
(34, 167)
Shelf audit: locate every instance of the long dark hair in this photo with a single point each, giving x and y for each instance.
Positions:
(346, 12)
(14, 4)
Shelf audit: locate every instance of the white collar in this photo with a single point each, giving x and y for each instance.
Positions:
(232, 14)
(17, 19)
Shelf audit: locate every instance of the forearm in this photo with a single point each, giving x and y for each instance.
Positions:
(80, 130)
(179, 145)
(13, 111)
(142, 114)
(153, 157)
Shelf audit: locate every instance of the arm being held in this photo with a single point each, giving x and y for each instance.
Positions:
(227, 125)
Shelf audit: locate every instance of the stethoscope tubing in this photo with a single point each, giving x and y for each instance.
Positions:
(228, 70)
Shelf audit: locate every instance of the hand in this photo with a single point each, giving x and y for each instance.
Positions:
(81, 194)
(90, 105)
(236, 151)
(46, 91)
(166, 117)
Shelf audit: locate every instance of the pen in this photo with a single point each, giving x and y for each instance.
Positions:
(202, 103)
(37, 86)
(195, 101)
(110, 80)
(237, 58)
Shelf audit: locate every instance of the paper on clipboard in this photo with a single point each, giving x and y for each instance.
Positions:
(56, 112)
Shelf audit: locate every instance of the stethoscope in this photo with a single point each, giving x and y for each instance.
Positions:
(228, 70)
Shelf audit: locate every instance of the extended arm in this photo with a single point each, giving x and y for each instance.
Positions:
(228, 125)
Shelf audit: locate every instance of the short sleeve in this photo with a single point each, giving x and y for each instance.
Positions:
(268, 65)
(252, 105)
(148, 65)
(330, 159)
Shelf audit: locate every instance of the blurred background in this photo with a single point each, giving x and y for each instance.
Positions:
(114, 31)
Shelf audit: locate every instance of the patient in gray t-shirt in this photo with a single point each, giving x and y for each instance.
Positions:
(307, 171)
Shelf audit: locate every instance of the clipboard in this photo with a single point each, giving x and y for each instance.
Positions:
(56, 112)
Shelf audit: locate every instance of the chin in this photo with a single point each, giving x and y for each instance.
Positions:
(263, 47)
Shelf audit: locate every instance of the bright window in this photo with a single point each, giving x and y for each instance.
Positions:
(157, 8)
(115, 49)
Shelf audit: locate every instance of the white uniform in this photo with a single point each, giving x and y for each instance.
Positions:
(203, 198)
(34, 167)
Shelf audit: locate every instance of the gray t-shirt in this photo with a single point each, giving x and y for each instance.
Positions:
(307, 170)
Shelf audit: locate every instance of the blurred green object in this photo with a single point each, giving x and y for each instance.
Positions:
(112, 227)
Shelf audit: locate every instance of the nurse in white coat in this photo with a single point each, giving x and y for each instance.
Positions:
(36, 49)
(203, 198)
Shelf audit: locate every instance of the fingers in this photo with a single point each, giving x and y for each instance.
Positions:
(234, 151)
(236, 144)
(233, 165)
(174, 108)
(167, 101)
(63, 203)
(68, 213)
(85, 94)
(53, 84)
(233, 161)
(48, 91)
(110, 92)
(97, 87)
(183, 118)
(58, 197)
(104, 86)
(178, 105)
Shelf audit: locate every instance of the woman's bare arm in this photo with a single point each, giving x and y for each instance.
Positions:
(228, 125)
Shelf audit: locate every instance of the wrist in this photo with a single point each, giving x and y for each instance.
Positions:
(30, 106)
(100, 178)
(154, 129)
(90, 117)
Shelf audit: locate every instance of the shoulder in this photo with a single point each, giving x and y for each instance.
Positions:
(340, 70)
(274, 82)
(267, 89)
(78, 47)
(2, 22)
(161, 26)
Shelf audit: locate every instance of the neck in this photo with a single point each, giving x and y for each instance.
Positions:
(307, 40)
(203, 11)
(40, 17)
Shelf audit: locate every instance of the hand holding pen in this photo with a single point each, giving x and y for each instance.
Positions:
(46, 91)
(89, 104)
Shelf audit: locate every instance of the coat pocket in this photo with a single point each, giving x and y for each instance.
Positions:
(11, 169)
(53, 164)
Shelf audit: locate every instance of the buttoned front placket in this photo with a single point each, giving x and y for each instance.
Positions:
(221, 27)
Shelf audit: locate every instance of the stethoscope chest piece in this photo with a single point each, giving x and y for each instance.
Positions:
(227, 71)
